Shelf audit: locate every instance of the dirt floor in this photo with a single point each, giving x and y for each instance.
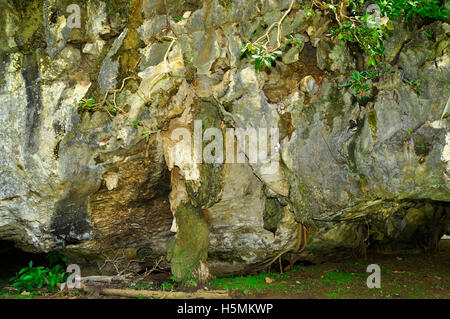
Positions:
(402, 276)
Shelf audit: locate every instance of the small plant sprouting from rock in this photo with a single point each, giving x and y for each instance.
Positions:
(136, 123)
(296, 41)
(309, 13)
(363, 31)
(358, 26)
(179, 18)
(89, 105)
(147, 129)
(86, 105)
(227, 4)
(260, 55)
(416, 85)
(429, 35)
(358, 83)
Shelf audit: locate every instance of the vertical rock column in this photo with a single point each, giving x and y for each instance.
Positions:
(190, 246)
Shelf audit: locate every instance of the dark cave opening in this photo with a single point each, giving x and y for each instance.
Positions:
(13, 259)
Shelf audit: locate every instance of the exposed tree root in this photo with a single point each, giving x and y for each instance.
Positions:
(299, 247)
(279, 29)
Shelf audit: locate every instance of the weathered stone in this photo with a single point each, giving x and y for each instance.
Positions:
(108, 72)
(291, 56)
(340, 59)
(94, 48)
(357, 173)
(191, 244)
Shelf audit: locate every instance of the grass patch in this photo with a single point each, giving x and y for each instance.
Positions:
(252, 284)
(338, 278)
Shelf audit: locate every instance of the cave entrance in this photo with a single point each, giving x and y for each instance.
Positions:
(13, 259)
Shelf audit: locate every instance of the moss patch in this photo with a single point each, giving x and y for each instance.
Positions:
(372, 120)
(227, 4)
(254, 284)
(334, 109)
(28, 16)
(191, 243)
(211, 175)
(299, 197)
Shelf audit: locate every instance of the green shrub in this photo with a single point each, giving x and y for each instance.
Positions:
(260, 55)
(86, 105)
(358, 83)
(369, 38)
(359, 27)
(56, 258)
(89, 105)
(408, 8)
(30, 278)
(167, 286)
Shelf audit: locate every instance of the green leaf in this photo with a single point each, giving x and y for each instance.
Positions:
(244, 49)
(258, 64)
(22, 270)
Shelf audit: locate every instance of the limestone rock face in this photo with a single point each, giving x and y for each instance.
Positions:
(105, 178)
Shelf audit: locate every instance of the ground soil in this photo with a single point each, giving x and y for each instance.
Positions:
(402, 276)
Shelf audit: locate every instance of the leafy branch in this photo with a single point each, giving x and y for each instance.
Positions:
(260, 55)
(432, 9)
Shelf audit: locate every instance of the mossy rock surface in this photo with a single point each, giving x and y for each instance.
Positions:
(211, 175)
(191, 243)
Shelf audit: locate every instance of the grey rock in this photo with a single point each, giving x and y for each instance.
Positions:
(291, 55)
(107, 75)
(108, 72)
(90, 183)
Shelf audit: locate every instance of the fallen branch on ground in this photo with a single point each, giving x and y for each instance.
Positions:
(102, 279)
(199, 294)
